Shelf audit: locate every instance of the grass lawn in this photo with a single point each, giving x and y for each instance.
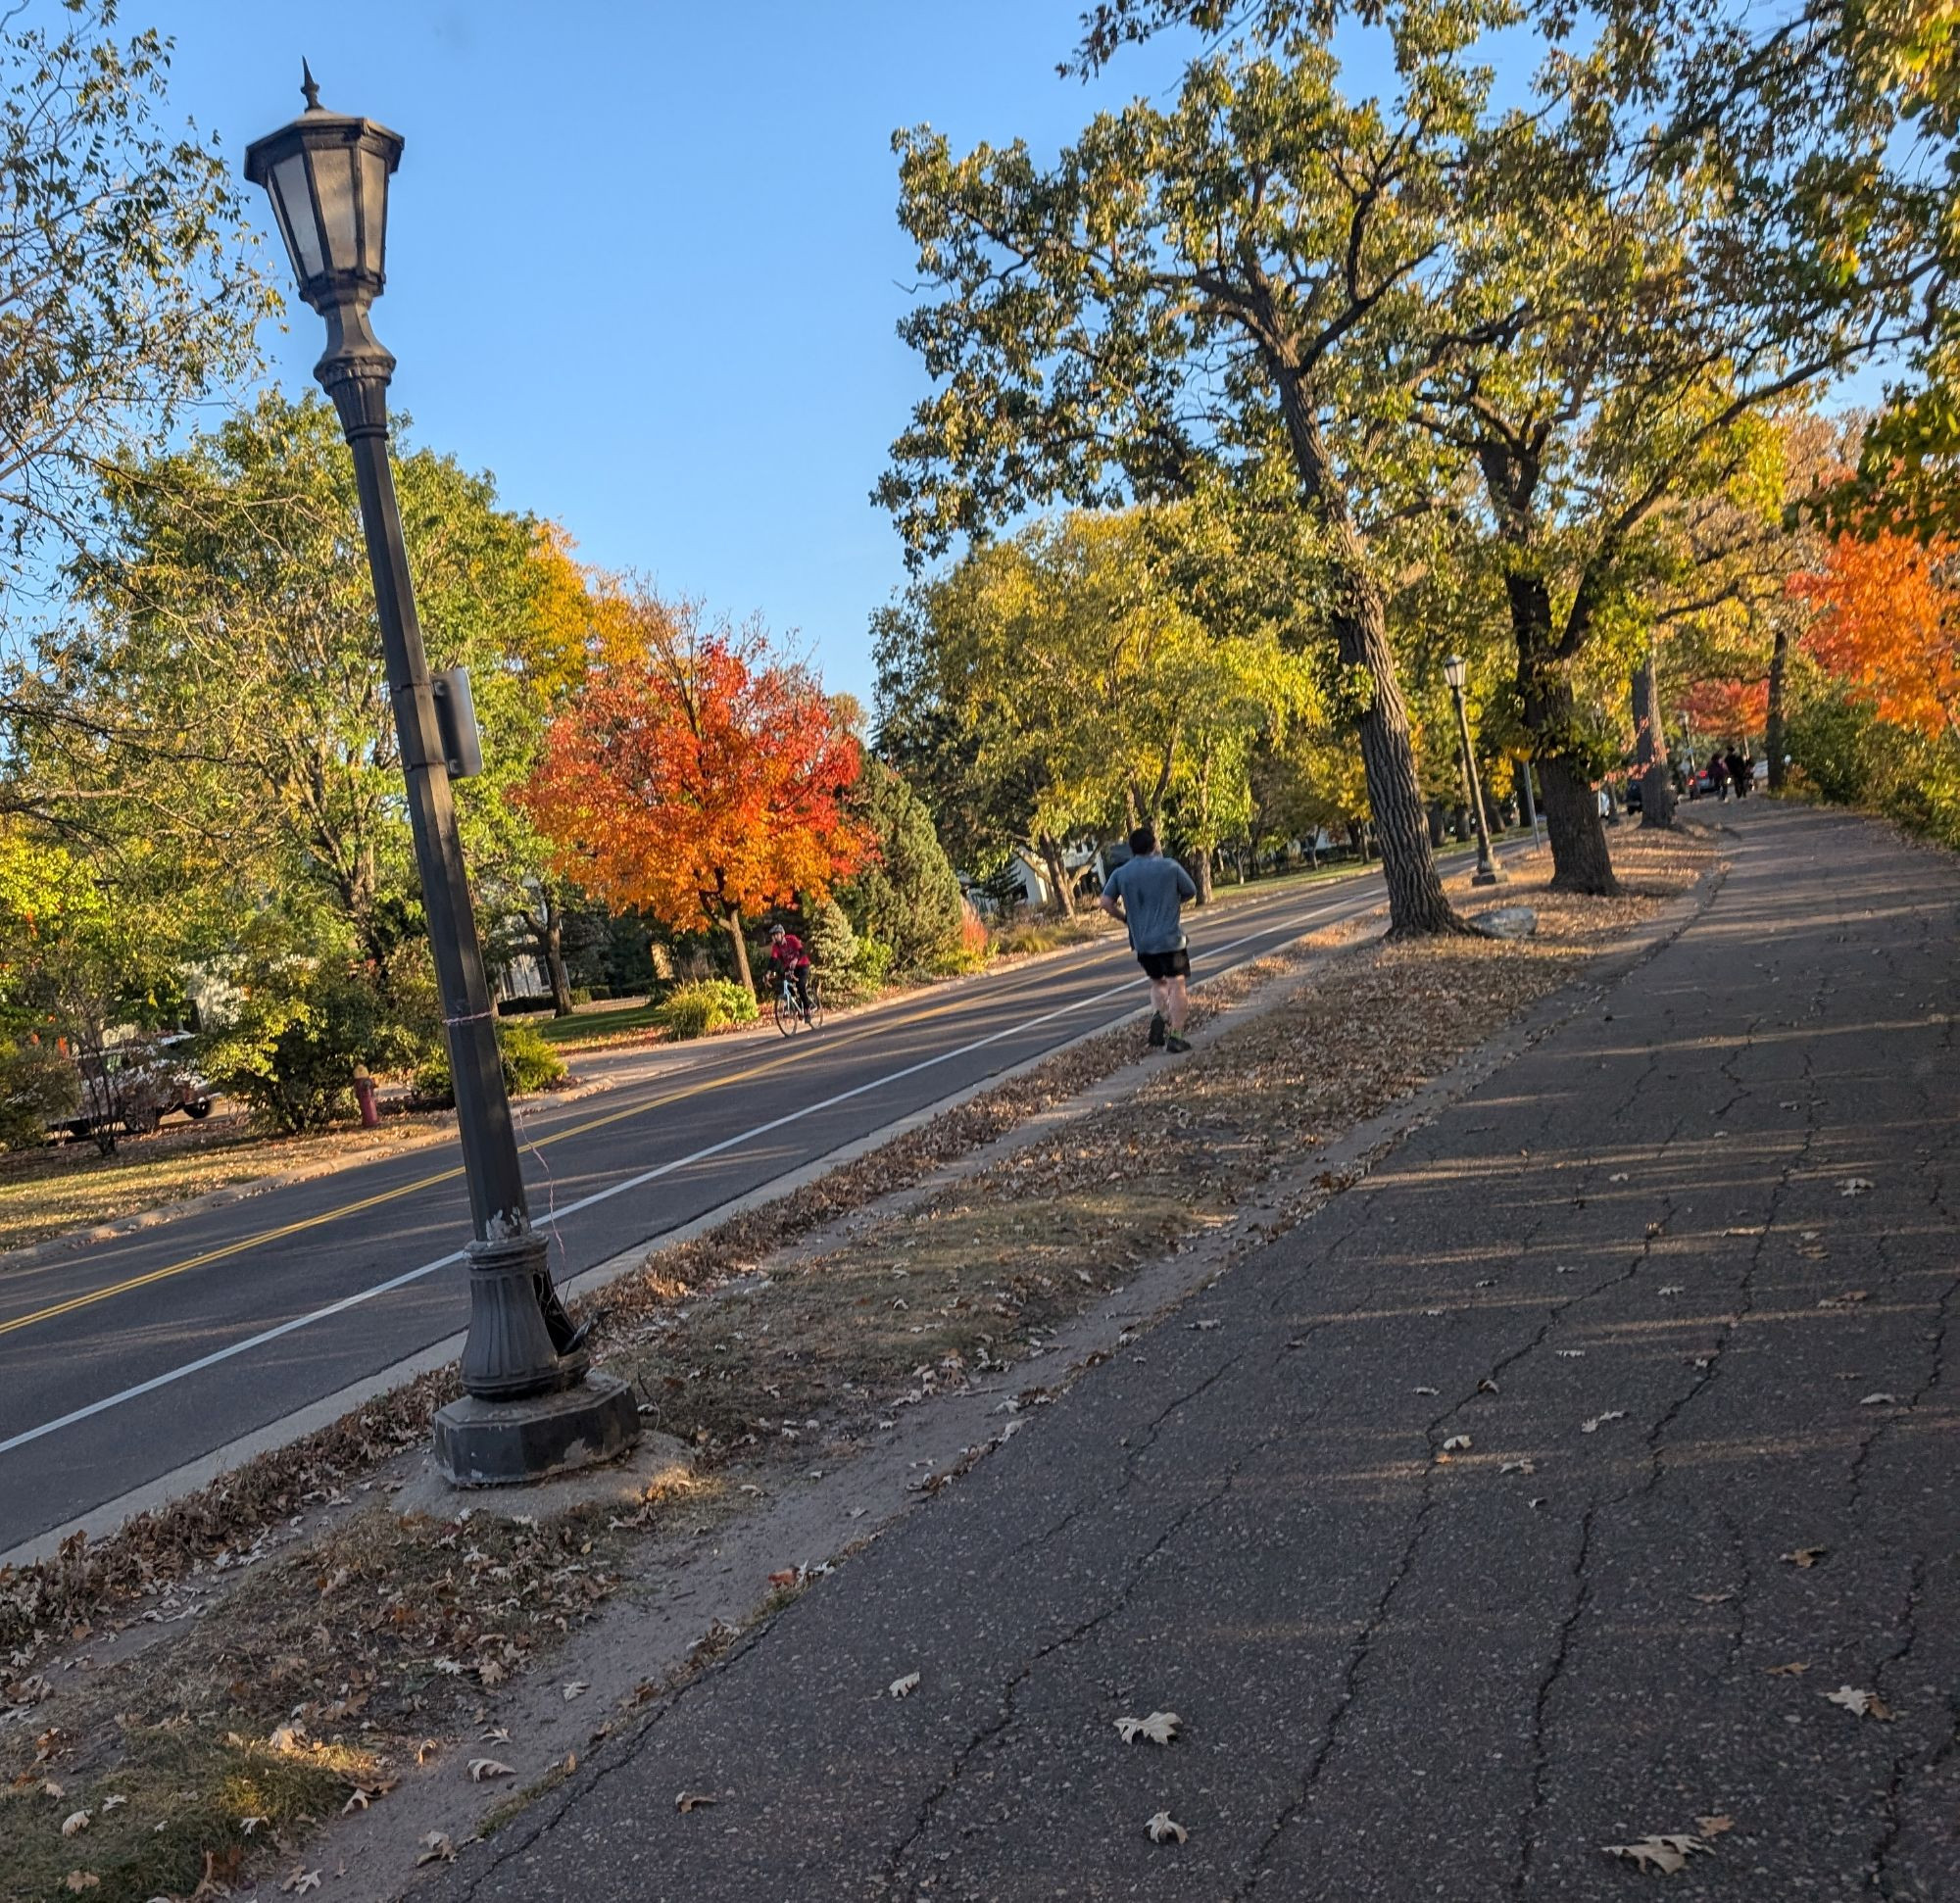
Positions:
(593, 1027)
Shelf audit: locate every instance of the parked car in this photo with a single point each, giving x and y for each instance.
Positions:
(137, 1086)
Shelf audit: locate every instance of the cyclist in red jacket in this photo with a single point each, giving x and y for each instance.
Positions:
(787, 954)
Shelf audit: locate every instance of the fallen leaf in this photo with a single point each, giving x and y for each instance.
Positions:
(691, 1800)
(302, 1880)
(1714, 1826)
(357, 1801)
(1856, 1185)
(110, 1803)
(1570, 1354)
(1674, 1288)
(1663, 1855)
(1457, 1444)
(81, 1880)
(1516, 1467)
(1880, 1400)
(1849, 1299)
(482, 1768)
(1204, 1327)
(49, 1789)
(1160, 1726)
(1861, 1704)
(436, 1848)
(1618, 1176)
(1806, 1557)
(1487, 1386)
(250, 1823)
(577, 1688)
(1426, 1391)
(1165, 1829)
(495, 1734)
(903, 1688)
(1795, 1668)
(1711, 1599)
(75, 1823)
(1600, 1420)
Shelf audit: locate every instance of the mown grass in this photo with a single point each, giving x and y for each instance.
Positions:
(595, 1027)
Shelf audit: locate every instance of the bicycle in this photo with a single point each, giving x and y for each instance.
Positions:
(792, 1016)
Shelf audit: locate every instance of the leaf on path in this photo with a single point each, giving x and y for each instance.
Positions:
(436, 1849)
(1618, 1176)
(1600, 1420)
(1714, 1826)
(1880, 1400)
(1204, 1327)
(1711, 1599)
(1457, 1443)
(1856, 1185)
(1861, 1704)
(1160, 1726)
(1426, 1391)
(1806, 1557)
(1795, 1668)
(302, 1880)
(75, 1823)
(1570, 1354)
(577, 1688)
(1165, 1829)
(484, 1768)
(1487, 1386)
(1516, 1467)
(495, 1734)
(903, 1688)
(1849, 1299)
(1674, 1288)
(692, 1800)
(1662, 1855)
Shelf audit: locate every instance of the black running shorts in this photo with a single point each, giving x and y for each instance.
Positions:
(1166, 964)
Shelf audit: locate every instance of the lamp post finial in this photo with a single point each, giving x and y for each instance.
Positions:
(309, 86)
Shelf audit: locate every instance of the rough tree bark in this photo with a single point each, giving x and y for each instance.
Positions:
(1057, 873)
(1650, 745)
(732, 919)
(1416, 902)
(1580, 861)
(546, 925)
(1774, 727)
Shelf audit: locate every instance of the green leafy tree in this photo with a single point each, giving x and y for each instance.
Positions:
(1212, 284)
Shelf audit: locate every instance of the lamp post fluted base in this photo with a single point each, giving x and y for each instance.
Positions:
(505, 1443)
(1489, 875)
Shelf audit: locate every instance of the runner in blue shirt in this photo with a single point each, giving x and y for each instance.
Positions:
(1146, 892)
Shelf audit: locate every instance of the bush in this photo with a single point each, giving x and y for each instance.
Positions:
(290, 1052)
(833, 944)
(872, 963)
(581, 994)
(704, 1004)
(38, 1085)
(531, 1063)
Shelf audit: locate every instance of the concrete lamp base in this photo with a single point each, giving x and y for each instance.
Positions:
(1488, 876)
(505, 1443)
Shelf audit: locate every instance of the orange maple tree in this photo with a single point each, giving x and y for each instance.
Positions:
(697, 777)
(1889, 623)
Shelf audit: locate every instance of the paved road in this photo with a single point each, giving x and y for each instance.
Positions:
(1401, 1678)
(122, 1361)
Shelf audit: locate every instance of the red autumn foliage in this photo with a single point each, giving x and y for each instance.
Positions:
(697, 777)
(1722, 708)
(1888, 624)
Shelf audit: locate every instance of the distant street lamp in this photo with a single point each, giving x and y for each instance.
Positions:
(530, 1407)
(1487, 873)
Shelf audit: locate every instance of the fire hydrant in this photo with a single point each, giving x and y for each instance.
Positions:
(364, 1095)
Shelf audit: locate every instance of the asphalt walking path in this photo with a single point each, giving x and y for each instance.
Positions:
(1682, 1273)
(131, 1365)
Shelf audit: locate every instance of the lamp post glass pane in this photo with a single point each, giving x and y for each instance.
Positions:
(293, 200)
(333, 184)
(373, 211)
(1453, 670)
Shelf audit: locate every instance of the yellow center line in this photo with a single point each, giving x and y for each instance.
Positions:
(720, 1082)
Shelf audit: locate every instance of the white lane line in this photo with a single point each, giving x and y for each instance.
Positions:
(622, 1188)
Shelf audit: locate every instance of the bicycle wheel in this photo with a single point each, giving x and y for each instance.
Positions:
(815, 1005)
(787, 1017)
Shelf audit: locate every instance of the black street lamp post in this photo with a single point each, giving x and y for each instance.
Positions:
(530, 1407)
(1487, 872)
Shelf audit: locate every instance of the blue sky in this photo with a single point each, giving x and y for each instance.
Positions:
(643, 258)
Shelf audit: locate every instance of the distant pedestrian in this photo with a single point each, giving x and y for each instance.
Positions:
(1738, 764)
(1146, 892)
(1718, 775)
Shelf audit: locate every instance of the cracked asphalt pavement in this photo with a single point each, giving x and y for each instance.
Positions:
(1683, 1272)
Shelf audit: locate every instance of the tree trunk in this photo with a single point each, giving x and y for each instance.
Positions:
(1058, 875)
(1437, 836)
(1650, 745)
(547, 929)
(1774, 729)
(1521, 777)
(1580, 861)
(733, 919)
(1202, 880)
